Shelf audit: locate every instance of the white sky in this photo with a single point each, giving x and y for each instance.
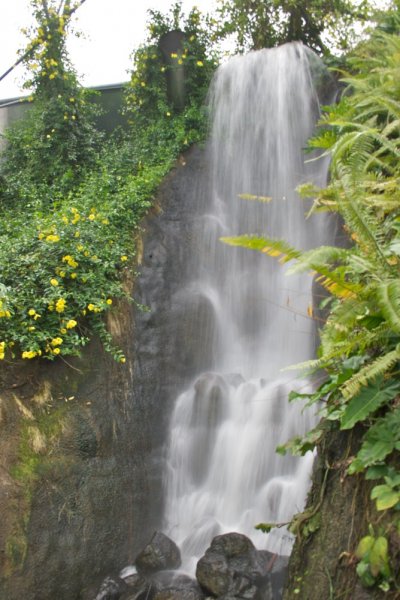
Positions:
(112, 30)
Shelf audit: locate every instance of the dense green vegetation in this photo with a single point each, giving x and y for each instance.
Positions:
(320, 25)
(360, 340)
(71, 200)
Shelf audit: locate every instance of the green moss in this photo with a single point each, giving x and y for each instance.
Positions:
(16, 547)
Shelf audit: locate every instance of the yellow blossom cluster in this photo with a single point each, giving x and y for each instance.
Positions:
(52, 238)
(60, 305)
(70, 261)
(30, 353)
(3, 311)
(32, 313)
(94, 308)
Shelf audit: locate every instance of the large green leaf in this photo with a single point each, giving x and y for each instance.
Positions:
(367, 402)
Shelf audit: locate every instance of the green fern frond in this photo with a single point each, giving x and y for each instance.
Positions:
(319, 259)
(253, 197)
(275, 248)
(388, 296)
(370, 373)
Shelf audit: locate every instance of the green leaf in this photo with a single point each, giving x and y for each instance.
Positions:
(265, 527)
(364, 546)
(367, 402)
(378, 557)
(385, 496)
(375, 472)
(364, 574)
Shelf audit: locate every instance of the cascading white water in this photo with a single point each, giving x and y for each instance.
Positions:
(222, 470)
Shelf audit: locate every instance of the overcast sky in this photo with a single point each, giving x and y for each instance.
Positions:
(112, 28)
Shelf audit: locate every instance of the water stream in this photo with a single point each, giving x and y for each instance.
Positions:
(222, 471)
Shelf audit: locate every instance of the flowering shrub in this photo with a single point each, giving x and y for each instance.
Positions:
(68, 208)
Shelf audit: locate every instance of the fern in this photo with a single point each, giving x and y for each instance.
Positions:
(370, 373)
(388, 296)
(275, 248)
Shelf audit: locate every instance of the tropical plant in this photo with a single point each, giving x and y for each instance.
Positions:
(360, 340)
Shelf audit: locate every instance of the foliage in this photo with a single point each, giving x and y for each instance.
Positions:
(263, 24)
(360, 340)
(146, 95)
(373, 554)
(70, 206)
(57, 141)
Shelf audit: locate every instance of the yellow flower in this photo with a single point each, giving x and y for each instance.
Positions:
(71, 323)
(52, 238)
(73, 275)
(31, 328)
(56, 341)
(109, 301)
(63, 331)
(105, 222)
(29, 354)
(41, 236)
(124, 258)
(56, 350)
(54, 282)
(199, 63)
(79, 247)
(36, 317)
(65, 220)
(77, 234)
(91, 306)
(122, 359)
(60, 305)
(174, 55)
(31, 312)
(91, 217)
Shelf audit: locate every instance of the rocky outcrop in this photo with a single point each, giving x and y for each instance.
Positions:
(231, 569)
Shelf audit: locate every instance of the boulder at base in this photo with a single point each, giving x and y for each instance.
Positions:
(160, 553)
(233, 568)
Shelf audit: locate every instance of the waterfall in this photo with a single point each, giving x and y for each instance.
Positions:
(222, 471)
